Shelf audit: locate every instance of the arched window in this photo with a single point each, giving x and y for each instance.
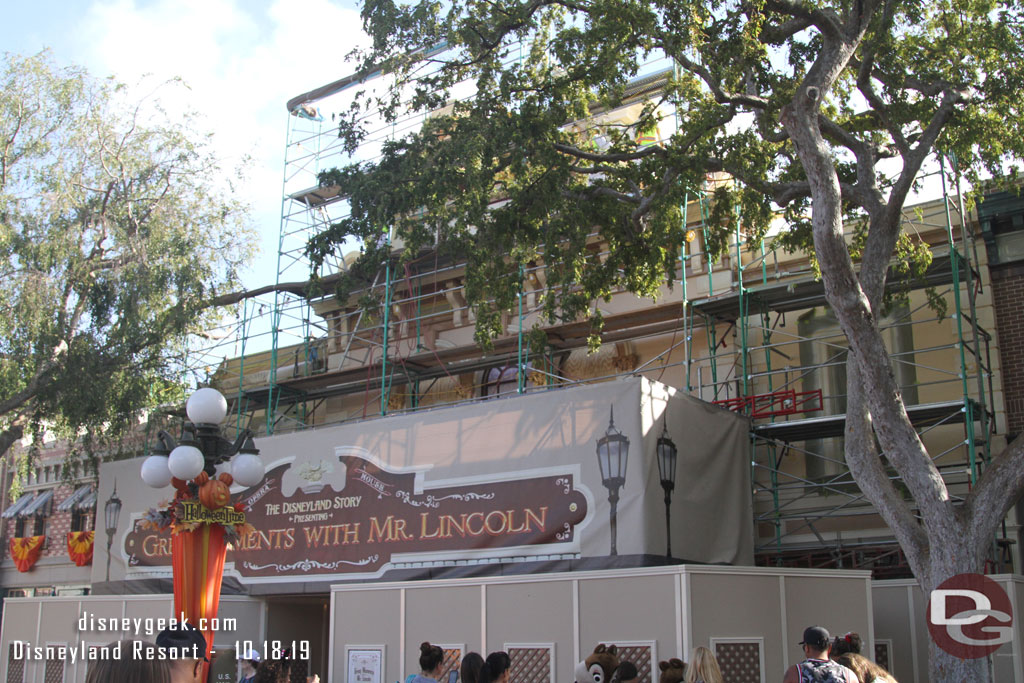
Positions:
(503, 380)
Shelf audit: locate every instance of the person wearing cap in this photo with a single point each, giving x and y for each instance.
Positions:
(185, 647)
(817, 667)
(249, 660)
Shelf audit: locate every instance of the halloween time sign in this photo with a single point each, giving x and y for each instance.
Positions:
(348, 515)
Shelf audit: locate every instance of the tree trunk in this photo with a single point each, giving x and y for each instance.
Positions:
(945, 668)
(953, 559)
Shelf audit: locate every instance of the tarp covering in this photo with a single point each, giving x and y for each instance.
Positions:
(501, 481)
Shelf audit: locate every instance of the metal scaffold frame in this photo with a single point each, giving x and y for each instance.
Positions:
(753, 362)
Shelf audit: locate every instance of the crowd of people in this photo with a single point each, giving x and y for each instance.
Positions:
(826, 660)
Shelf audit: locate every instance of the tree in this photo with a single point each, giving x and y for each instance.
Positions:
(117, 227)
(821, 107)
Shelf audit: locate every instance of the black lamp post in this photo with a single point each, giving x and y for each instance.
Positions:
(612, 455)
(667, 472)
(111, 512)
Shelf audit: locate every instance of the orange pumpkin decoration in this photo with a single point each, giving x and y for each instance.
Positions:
(202, 478)
(179, 484)
(226, 478)
(214, 494)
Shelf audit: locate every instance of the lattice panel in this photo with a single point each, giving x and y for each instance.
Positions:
(740, 662)
(15, 667)
(882, 656)
(640, 656)
(298, 671)
(530, 665)
(54, 671)
(452, 660)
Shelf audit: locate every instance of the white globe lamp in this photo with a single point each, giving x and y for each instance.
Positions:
(156, 472)
(247, 469)
(186, 462)
(206, 406)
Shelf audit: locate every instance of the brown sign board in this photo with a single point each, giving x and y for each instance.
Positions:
(352, 516)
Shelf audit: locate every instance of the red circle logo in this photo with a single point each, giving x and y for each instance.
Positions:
(970, 616)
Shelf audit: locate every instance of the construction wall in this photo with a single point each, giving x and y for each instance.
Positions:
(57, 620)
(753, 618)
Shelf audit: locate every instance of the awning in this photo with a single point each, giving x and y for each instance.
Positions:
(38, 505)
(16, 507)
(74, 501)
(88, 502)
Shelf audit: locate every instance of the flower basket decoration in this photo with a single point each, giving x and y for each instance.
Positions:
(25, 551)
(80, 546)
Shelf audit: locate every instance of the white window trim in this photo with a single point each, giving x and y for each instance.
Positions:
(713, 641)
(550, 647)
(652, 644)
(382, 647)
(63, 662)
(888, 645)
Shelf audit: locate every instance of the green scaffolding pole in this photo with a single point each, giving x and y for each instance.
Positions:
(521, 366)
(683, 258)
(246, 326)
(743, 304)
(385, 381)
(954, 255)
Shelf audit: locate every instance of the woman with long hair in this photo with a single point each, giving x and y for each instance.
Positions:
(703, 667)
(866, 670)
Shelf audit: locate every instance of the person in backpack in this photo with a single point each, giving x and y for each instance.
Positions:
(817, 667)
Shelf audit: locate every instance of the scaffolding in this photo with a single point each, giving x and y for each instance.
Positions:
(330, 361)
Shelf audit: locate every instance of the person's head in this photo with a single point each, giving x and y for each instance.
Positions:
(136, 665)
(703, 667)
(498, 664)
(249, 659)
(627, 672)
(472, 666)
(849, 643)
(816, 642)
(864, 668)
(272, 671)
(185, 647)
(431, 659)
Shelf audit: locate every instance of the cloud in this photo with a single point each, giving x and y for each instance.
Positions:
(242, 61)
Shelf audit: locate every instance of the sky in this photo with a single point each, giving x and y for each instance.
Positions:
(241, 59)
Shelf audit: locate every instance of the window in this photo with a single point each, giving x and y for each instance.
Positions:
(19, 527)
(503, 380)
(80, 520)
(39, 527)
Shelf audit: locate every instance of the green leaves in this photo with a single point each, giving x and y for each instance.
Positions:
(117, 227)
(535, 146)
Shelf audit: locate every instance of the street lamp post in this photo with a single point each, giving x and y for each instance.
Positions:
(612, 457)
(667, 456)
(111, 512)
(199, 547)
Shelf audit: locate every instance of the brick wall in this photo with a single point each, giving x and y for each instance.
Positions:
(1008, 294)
(58, 524)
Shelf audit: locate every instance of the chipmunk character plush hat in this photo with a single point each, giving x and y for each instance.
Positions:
(672, 671)
(598, 667)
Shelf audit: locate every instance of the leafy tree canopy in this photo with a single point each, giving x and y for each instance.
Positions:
(117, 225)
(822, 110)
(902, 78)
